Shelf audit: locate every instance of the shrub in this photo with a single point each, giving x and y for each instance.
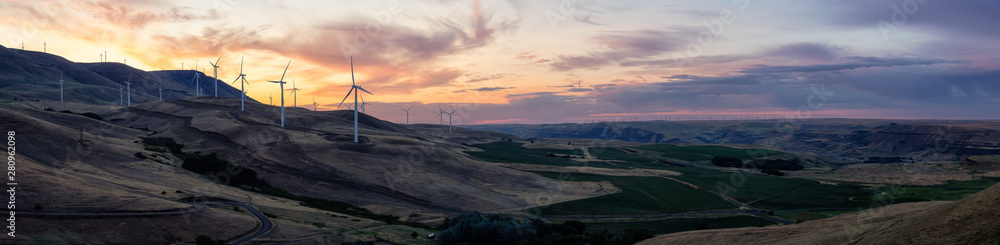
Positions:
(771, 171)
(727, 162)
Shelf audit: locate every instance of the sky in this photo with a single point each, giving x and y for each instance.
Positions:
(519, 61)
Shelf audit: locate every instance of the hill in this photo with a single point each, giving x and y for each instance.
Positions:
(959, 222)
(846, 139)
(108, 163)
(35, 75)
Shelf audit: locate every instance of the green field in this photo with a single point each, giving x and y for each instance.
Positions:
(640, 195)
(512, 152)
(950, 191)
(684, 224)
(607, 153)
(770, 192)
(705, 152)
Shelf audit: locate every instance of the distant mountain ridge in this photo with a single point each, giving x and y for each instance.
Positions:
(35, 75)
(842, 138)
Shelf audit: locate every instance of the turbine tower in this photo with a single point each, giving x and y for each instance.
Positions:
(354, 89)
(440, 119)
(282, 89)
(60, 88)
(129, 89)
(449, 118)
(243, 80)
(295, 95)
(159, 85)
(197, 83)
(121, 95)
(315, 104)
(407, 110)
(363, 103)
(215, 67)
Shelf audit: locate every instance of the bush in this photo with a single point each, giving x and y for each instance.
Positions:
(205, 240)
(778, 164)
(771, 171)
(727, 162)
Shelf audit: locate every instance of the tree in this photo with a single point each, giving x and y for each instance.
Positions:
(414, 234)
(205, 240)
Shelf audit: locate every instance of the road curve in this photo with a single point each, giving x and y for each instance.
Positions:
(265, 226)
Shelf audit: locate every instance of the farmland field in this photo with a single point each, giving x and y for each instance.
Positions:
(640, 195)
(705, 152)
(512, 152)
(683, 224)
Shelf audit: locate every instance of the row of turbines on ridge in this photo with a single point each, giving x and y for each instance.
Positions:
(125, 94)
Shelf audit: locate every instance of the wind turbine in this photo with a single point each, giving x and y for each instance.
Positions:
(440, 119)
(295, 95)
(129, 88)
(407, 110)
(216, 77)
(243, 80)
(197, 82)
(449, 118)
(282, 84)
(60, 88)
(121, 95)
(315, 104)
(363, 103)
(271, 97)
(354, 89)
(160, 86)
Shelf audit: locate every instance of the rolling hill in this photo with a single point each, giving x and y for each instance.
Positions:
(848, 139)
(966, 221)
(35, 75)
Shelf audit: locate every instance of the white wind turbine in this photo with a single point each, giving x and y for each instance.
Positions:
(295, 94)
(315, 104)
(159, 85)
(407, 110)
(271, 97)
(243, 80)
(440, 119)
(215, 67)
(363, 103)
(449, 118)
(197, 80)
(282, 89)
(129, 88)
(60, 88)
(354, 89)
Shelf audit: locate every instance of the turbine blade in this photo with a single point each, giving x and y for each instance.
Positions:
(453, 111)
(216, 61)
(362, 89)
(411, 107)
(352, 70)
(241, 64)
(286, 71)
(345, 97)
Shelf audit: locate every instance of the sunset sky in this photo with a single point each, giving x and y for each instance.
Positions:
(555, 61)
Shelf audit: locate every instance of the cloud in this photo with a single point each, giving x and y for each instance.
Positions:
(483, 89)
(574, 90)
(857, 62)
(623, 46)
(811, 52)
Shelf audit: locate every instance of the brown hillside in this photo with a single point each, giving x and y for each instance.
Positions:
(972, 220)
